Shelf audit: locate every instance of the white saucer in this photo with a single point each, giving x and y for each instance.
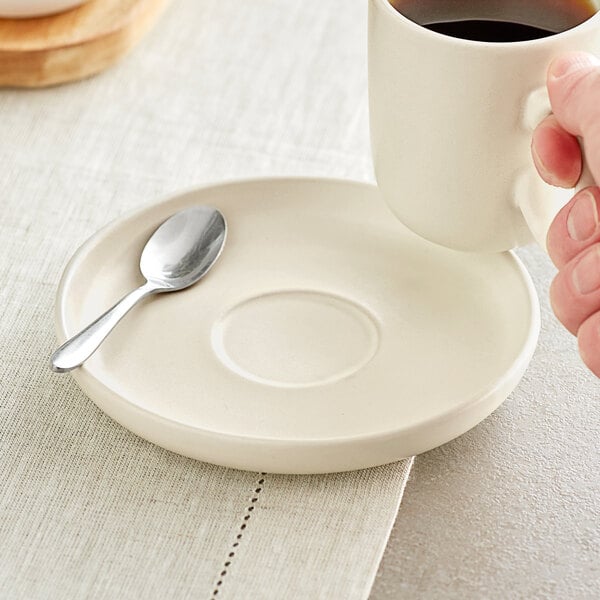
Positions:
(327, 337)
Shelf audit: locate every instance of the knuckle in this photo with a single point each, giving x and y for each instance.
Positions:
(578, 82)
(581, 82)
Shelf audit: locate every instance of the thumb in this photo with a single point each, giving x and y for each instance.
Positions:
(574, 89)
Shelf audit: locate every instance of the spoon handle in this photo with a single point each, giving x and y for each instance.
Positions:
(82, 345)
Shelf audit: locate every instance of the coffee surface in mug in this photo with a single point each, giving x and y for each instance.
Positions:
(497, 20)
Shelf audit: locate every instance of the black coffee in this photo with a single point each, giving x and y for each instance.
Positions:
(497, 20)
(489, 31)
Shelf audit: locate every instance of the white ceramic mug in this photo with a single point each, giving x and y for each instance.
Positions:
(451, 124)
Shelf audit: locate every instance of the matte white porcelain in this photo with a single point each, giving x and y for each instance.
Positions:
(451, 124)
(16, 9)
(327, 338)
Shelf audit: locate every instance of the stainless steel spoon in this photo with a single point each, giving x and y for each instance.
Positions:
(179, 253)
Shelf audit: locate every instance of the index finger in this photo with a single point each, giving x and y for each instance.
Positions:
(574, 89)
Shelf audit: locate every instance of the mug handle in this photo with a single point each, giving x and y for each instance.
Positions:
(537, 214)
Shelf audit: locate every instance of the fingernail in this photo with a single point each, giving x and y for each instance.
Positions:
(539, 163)
(586, 274)
(582, 221)
(566, 65)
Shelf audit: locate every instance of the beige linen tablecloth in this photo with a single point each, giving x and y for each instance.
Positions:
(219, 90)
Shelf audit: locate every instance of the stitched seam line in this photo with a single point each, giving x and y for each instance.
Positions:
(240, 534)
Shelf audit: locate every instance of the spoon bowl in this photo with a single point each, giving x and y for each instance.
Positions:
(177, 255)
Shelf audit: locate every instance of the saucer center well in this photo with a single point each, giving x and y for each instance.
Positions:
(296, 338)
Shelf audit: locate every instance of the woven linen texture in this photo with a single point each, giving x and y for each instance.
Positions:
(219, 90)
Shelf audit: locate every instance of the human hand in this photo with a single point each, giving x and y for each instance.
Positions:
(574, 237)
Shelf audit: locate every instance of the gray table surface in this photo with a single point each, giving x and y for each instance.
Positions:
(510, 509)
